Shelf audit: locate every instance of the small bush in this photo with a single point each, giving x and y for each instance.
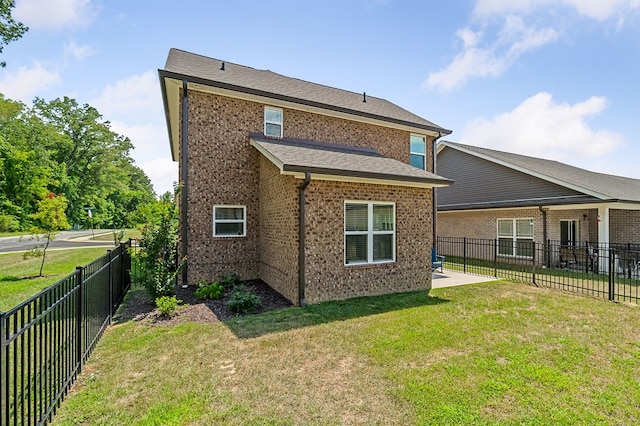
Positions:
(167, 305)
(8, 223)
(212, 291)
(230, 281)
(242, 301)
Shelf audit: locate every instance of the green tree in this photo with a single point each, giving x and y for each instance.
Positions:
(10, 29)
(50, 219)
(99, 170)
(158, 258)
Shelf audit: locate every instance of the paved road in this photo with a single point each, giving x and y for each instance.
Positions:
(65, 239)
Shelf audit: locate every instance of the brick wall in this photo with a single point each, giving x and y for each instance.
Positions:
(328, 278)
(279, 230)
(624, 226)
(224, 169)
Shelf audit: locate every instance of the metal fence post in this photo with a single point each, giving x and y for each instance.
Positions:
(4, 382)
(495, 257)
(79, 307)
(464, 254)
(110, 281)
(533, 263)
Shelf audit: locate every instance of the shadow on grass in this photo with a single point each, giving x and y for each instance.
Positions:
(296, 317)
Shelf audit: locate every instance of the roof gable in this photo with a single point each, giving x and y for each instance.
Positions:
(202, 72)
(600, 186)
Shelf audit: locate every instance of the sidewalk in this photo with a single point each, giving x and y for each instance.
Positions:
(455, 278)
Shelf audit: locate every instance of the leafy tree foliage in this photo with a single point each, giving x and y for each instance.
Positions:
(65, 148)
(10, 29)
(158, 258)
(49, 220)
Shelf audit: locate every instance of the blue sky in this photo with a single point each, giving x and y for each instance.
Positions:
(556, 79)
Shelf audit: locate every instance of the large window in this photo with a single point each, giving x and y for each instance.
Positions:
(515, 237)
(369, 232)
(229, 221)
(273, 122)
(418, 151)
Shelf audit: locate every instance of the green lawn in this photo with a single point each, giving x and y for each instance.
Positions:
(493, 353)
(15, 288)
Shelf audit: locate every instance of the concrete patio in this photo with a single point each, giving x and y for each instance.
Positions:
(455, 278)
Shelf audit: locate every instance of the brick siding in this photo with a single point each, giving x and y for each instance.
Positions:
(223, 169)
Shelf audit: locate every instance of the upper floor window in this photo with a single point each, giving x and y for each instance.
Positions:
(418, 151)
(273, 122)
(229, 221)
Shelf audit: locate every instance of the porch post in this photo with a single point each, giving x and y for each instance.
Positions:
(603, 237)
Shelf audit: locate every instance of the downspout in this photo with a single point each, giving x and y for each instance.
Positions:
(544, 235)
(184, 189)
(433, 191)
(302, 236)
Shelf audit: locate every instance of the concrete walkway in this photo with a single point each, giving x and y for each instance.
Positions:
(454, 278)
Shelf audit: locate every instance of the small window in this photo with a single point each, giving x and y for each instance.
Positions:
(229, 221)
(515, 237)
(369, 230)
(273, 122)
(418, 151)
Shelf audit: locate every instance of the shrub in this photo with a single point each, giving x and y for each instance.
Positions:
(242, 301)
(212, 291)
(167, 305)
(8, 223)
(230, 281)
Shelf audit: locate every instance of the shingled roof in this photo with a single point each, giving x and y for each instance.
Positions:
(226, 75)
(600, 185)
(341, 162)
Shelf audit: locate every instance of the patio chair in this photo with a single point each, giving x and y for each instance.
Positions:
(437, 261)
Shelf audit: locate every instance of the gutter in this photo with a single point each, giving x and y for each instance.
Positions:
(184, 176)
(299, 101)
(434, 201)
(301, 239)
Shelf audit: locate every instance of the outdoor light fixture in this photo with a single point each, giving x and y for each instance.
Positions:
(584, 216)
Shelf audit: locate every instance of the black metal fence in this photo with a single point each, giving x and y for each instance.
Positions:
(610, 271)
(46, 339)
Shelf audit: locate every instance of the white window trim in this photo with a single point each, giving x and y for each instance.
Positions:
(514, 237)
(370, 232)
(419, 153)
(279, 123)
(243, 221)
(576, 239)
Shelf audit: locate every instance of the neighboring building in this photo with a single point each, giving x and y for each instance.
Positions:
(267, 162)
(516, 198)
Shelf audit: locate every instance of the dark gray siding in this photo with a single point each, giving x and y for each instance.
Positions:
(479, 183)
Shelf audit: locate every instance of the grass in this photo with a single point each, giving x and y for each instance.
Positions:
(108, 236)
(15, 288)
(492, 353)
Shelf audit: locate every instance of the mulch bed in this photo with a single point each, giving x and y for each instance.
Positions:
(140, 307)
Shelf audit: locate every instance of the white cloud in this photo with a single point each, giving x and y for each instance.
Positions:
(163, 172)
(600, 10)
(76, 51)
(54, 14)
(514, 39)
(136, 97)
(26, 82)
(543, 128)
(133, 105)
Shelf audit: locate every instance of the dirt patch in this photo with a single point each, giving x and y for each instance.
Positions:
(140, 307)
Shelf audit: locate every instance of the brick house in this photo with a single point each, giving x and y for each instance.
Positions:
(505, 196)
(322, 193)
